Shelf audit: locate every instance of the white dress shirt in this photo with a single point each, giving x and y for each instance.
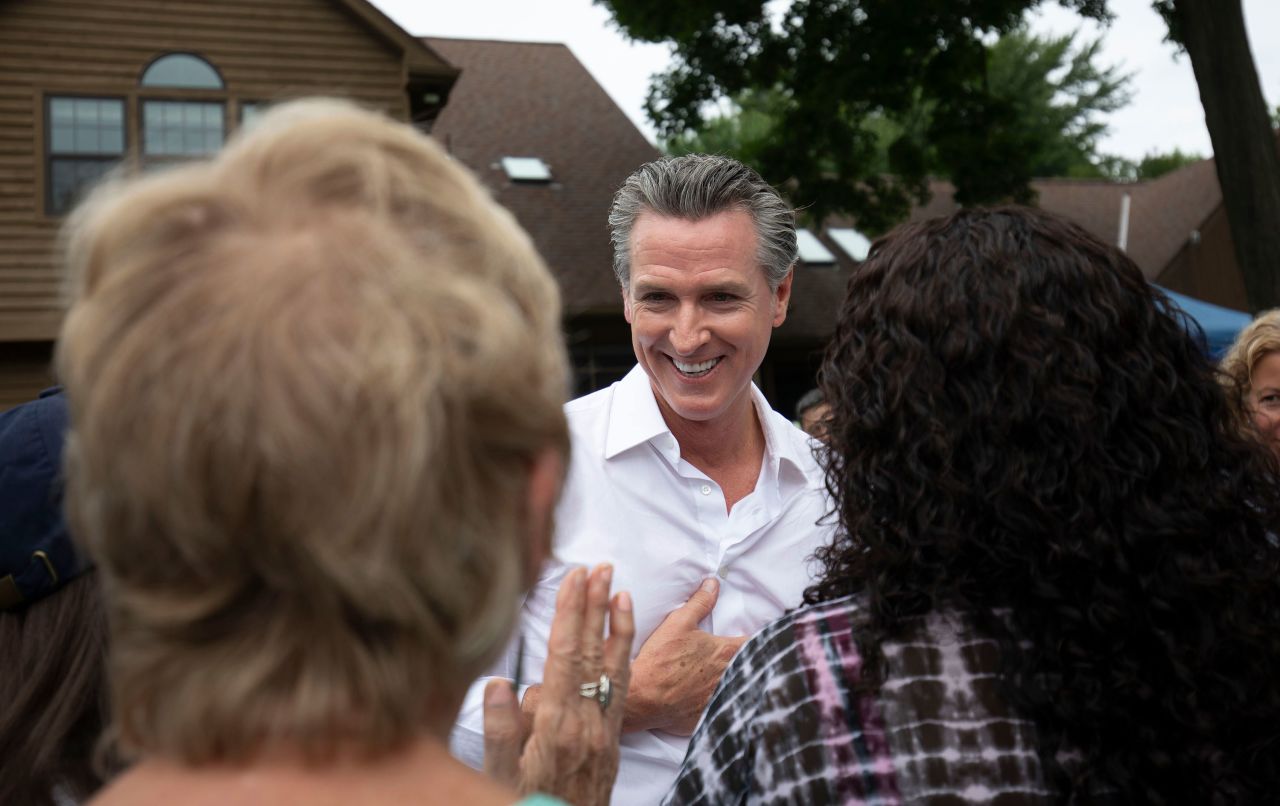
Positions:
(632, 501)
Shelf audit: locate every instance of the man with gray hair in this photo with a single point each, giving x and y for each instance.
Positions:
(704, 499)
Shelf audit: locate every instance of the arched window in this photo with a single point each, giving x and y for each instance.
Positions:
(181, 70)
(181, 108)
(175, 128)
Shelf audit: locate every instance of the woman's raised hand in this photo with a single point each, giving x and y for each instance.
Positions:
(572, 750)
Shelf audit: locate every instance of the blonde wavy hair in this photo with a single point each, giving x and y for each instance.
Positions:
(308, 381)
(1260, 337)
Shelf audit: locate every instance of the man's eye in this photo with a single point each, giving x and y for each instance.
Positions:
(722, 297)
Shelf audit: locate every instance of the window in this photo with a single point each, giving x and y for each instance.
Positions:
(179, 110)
(85, 139)
(811, 249)
(854, 243)
(181, 128)
(526, 169)
(183, 71)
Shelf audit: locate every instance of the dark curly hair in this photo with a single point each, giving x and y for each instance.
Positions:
(1023, 430)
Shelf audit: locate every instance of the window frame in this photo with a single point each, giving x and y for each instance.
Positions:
(195, 55)
(145, 160)
(133, 97)
(47, 155)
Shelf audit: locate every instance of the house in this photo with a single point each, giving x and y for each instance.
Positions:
(1174, 226)
(552, 147)
(87, 86)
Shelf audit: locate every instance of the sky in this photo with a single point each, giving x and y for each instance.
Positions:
(1165, 112)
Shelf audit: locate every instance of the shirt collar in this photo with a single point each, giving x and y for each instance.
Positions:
(634, 419)
(787, 455)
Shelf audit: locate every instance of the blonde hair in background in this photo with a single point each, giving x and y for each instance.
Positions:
(1260, 337)
(308, 381)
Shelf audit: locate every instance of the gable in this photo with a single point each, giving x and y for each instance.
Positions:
(95, 51)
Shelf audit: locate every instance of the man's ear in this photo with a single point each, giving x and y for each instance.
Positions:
(782, 297)
(546, 477)
(626, 304)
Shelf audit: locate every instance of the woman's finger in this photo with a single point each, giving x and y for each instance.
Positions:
(504, 733)
(617, 651)
(564, 646)
(593, 621)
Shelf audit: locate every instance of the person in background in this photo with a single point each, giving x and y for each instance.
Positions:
(1052, 580)
(53, 691)
(1252, 370)
(812, 413)
(315, 386)
(704, 498)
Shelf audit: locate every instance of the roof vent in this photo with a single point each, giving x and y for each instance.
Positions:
(854, 243)
(811, 249)
(526, 169)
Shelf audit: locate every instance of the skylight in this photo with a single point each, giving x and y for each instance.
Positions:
(811, 249)
(854, 243)
(526, 169)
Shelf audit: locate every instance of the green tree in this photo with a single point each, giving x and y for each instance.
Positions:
(1061, 96)
(841, 61)
(1156, 164)
(1057, 92)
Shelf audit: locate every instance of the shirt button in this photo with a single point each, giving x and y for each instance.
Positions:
(706, 489)
(723, 572)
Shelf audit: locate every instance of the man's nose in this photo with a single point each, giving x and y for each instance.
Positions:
(688, 332)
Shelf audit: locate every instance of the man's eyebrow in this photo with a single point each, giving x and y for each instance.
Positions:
(647, 286)
(734, 287)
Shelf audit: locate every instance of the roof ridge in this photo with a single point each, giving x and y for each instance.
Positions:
(429, 37)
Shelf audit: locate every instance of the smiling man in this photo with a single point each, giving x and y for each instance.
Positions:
(704, 499)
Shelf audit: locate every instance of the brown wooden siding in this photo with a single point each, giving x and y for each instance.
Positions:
(264, 51)
(1208, 269)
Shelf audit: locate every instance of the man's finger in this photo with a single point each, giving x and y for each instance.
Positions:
(593, 620)
(564, 646)
(700, 604)
(504, 733)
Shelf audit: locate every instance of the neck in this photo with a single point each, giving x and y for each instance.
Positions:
(728, 448)
(422, 771)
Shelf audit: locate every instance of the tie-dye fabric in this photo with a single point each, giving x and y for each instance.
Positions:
(787, 725)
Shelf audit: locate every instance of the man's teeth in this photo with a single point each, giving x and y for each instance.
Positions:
(695, 369)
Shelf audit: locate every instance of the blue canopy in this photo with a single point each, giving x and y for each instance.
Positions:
(1220, 325)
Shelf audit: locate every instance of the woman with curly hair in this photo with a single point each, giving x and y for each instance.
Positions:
(1252, 370)
(1052, 580)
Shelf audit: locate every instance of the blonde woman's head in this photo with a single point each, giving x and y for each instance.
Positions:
(1252, 370)
(310, 380)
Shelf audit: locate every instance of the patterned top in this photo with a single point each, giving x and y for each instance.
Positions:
(787, 726)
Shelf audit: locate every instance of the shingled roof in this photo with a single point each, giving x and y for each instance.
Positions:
(526, 99)
(1163, 212)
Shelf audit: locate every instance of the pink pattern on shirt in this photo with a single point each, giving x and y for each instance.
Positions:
(830, 695)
